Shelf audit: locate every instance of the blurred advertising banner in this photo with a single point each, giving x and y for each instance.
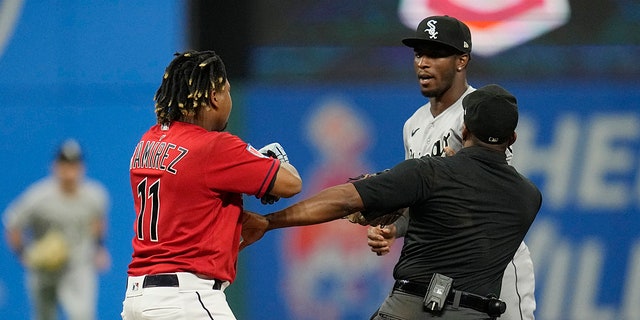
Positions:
(305, 39)
(495, 25)
(580, 143)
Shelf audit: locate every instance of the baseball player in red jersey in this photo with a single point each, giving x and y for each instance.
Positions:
(442, 48)
(188, 178)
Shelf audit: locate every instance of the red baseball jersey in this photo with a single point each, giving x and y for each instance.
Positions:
(187, 186)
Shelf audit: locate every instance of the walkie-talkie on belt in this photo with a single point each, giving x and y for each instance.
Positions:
(438, 291)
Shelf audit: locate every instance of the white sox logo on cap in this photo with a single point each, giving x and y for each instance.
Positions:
(443, 30)
(431, 30)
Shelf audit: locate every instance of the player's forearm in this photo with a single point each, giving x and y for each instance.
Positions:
(14, 239)
(289, 167)
(330, 204)
(288, 182)
(98, 230)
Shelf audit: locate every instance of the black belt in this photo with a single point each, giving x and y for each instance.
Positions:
(170, 280)
(491, 306)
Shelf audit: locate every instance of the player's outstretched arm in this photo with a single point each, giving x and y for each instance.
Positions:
(327, 205)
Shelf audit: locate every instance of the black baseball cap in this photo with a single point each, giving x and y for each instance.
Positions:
(69, 151)
(491, 114)
(441, 29)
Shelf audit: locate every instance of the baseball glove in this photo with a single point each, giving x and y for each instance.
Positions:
(49, 253)
(276, 151)
(382, 220)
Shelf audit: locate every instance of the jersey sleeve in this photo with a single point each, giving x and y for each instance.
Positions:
(397, 188)
(240, 168)
(19, 212)
(405, 139)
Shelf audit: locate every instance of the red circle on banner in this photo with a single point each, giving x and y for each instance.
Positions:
(483, 19)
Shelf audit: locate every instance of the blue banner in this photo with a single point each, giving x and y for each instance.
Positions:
(578, 141)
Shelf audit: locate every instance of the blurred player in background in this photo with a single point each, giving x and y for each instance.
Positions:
(442, 48)
(57, 227)
(188, 178)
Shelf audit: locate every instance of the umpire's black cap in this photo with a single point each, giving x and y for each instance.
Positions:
(444, 30)
(491, 114)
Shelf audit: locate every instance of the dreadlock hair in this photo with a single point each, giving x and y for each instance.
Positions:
(187, 84)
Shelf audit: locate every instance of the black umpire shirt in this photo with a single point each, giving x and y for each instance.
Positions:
(468, 215)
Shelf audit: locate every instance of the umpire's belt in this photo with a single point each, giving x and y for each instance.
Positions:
(464, 299)
(182, 279)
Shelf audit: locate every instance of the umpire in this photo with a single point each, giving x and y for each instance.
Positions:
(468, 214)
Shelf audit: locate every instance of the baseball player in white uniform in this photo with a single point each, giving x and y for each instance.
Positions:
(67, 209)
(432, 128)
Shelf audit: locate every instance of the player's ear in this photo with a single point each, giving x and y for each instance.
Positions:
(214, 99)
(513, 138)
(220, 96)
(463, 59)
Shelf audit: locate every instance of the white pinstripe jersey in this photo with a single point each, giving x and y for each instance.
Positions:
(426, 135)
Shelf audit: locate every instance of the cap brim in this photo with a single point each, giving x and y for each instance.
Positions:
(417, 42)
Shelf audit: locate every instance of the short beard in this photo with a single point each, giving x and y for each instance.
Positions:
(432, 93)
